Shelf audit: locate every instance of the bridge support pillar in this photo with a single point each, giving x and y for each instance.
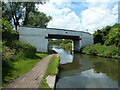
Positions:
(76, 45)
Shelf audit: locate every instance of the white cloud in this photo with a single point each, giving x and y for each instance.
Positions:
(61, 18)
(98, 14)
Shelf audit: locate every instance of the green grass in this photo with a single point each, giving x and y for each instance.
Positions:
(52, 69)
(101, 50)
(22, 66)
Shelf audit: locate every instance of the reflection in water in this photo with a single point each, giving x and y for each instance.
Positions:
(84, 71)
(65, 56)
(86, 79)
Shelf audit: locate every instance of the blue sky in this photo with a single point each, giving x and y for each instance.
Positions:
(81, 15)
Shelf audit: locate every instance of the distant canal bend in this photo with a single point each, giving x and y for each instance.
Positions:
(85, 71)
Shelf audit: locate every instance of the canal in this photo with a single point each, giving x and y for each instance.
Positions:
(85, 71)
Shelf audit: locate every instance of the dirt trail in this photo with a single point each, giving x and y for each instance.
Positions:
(33, 78)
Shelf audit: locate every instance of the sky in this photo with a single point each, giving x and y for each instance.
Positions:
(81, 15)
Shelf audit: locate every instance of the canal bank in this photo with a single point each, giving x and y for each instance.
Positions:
(85, 71)
(111, 51)
(49, 78)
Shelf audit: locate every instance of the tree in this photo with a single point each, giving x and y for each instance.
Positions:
(12, 11)
(38, 19)
(113, 37)
(100, 35)
(8, 34)
(29, 7)
(109, 35)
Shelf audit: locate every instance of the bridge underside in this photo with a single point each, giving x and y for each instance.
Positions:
(56, 36)
(75, 39)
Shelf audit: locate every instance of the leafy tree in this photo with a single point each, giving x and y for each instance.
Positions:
(12, 11)
(109, 35)
(18, 10)
(113, 37)
(38, 19)
(8, 34)
(98, 37)
(29, 7)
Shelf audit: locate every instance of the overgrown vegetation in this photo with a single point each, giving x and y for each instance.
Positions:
(109, 42)
(17, 57)
(52, 69)
(102, 50)
(109, 35)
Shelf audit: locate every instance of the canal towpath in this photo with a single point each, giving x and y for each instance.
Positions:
(33, 78)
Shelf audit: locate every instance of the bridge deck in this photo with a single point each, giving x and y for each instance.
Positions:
(58, 29)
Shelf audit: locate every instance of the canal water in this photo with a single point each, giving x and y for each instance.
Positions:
(85, 71)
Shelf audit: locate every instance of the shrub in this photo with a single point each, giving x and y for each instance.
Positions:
(7, 62)
(7, 55)
(23, 49)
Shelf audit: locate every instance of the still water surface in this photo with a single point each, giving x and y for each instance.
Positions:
(85, 71)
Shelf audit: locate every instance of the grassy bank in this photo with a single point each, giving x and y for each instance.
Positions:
(102, 50)
(20, 66)
(51, 70)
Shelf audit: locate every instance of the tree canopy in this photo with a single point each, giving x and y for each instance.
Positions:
(15, 12)
(38, 19)
(109, 35)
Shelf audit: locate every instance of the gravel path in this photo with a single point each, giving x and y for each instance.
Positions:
(33, 78)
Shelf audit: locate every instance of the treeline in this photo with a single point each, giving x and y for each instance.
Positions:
(107, 42)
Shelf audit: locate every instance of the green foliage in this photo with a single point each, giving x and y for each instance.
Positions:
(102, 50)
(12, 12)
(109, 35)
(113, 38)
(67, 46)
(7, 62)
(30, 7)
(23, 49)
(7, 54)
(8, 34)
(38, 19)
